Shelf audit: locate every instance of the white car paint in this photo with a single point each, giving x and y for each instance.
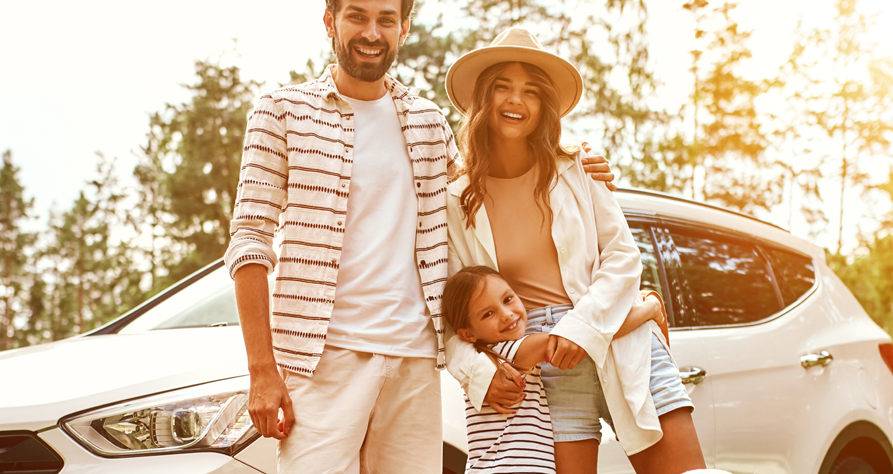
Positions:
(758, 410)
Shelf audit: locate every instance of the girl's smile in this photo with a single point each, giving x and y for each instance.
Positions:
(495, 314)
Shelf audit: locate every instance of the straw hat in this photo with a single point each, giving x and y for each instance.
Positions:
(513, 45)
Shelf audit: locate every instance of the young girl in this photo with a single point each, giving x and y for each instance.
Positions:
(482, 308)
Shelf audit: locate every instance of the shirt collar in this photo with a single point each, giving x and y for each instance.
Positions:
(397, 91)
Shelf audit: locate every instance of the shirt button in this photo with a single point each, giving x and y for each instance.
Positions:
(340, 223)
(343, 185)
(562, 249)
(573, 291)
(423, 263)
(418, 184)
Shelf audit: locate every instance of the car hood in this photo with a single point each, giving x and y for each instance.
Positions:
(44, 383)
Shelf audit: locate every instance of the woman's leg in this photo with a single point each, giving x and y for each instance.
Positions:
(576, 404)
(677, 451)
(577, 457)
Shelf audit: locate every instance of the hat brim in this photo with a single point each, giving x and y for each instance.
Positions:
(463, 74)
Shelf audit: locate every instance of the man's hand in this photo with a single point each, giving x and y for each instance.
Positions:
(563, 353)
(506, 390)
(266, 396)
(598, 168)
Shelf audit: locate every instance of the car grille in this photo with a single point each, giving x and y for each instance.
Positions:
(23, 452)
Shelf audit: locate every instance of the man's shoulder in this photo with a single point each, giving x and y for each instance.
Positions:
(421, 105)
(313, 92)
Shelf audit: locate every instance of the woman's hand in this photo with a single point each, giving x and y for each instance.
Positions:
(598, 168)
(506, 390)
(563, 353)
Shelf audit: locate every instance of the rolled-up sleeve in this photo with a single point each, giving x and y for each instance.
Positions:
(473, 370)
(262, 192)
(603, 308)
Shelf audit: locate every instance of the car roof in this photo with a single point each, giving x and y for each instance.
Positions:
(640, 201)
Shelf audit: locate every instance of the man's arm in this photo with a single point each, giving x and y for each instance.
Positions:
(268, 391)
(260, 198)
(598, 168)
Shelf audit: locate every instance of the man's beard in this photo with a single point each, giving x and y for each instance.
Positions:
(363, 71)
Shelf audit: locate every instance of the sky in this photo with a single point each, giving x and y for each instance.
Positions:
(78, 78)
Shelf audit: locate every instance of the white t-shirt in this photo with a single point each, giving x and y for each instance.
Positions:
(379, 303)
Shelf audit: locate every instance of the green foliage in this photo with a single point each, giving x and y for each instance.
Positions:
(728, 143)
(870, 277)
(92, 278)
(190, 170)
(15, 245)
(842, 89)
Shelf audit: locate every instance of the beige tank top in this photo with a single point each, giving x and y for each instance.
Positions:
(525, 251)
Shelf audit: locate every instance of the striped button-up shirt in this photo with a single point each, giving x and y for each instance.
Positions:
(295, 177)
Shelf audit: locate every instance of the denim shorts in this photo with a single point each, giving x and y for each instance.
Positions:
(575, 396)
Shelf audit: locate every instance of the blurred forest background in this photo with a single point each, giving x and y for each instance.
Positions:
(752, 146)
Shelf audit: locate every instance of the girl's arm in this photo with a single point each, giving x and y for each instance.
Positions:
(640, 314)
(532, 350)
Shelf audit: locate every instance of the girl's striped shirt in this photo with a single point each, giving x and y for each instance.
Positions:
(518, 443)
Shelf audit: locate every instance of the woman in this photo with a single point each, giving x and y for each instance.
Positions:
(524, 205)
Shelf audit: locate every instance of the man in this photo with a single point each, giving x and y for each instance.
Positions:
(354, 167)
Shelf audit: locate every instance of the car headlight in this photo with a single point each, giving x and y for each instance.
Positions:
(208, 417)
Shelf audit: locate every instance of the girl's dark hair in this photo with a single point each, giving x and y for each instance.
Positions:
(457, 295)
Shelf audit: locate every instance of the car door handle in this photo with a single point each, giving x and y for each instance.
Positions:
(693, 375)
(811, 360)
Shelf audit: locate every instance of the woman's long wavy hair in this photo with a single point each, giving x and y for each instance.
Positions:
(457, 295)
(543, 143)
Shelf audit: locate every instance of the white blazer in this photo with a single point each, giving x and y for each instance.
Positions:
(600, 268)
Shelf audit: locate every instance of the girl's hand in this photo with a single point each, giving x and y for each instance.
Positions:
(641, 313)
(653, 307)
(563, 354)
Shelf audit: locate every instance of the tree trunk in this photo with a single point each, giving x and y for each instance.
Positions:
(80, 297)
(843, 173)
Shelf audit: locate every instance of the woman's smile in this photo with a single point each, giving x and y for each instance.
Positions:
(515, 102)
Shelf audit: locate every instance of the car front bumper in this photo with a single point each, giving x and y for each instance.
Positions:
(78, 460)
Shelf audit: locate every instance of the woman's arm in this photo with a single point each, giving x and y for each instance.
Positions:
(613, 285)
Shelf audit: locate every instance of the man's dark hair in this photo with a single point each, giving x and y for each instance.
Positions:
(406, 11)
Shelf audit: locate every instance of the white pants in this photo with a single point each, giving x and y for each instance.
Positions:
(364, 413)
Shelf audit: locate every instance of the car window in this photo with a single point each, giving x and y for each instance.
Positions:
(209, 301)
(728, 280)
(795, 273)
(650, 271)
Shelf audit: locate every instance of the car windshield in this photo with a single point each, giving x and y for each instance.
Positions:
(207, 302)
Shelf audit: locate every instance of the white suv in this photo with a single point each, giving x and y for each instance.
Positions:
(787, 372)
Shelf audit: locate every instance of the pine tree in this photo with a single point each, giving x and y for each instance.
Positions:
(14, 249)
(728, 143)
(844, 91)
(190, 172)
(93, 277)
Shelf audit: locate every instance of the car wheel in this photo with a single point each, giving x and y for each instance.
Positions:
(851, 465)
